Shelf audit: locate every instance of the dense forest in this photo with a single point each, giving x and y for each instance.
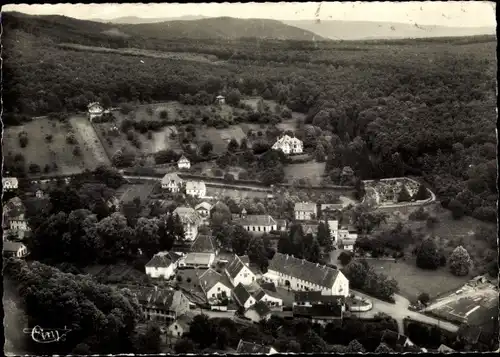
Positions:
(408, 107)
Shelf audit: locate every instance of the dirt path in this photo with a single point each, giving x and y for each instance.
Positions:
(92, 148)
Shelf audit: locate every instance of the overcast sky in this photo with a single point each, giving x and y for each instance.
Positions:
(456, 14)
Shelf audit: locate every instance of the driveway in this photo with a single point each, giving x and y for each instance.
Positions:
(399, 311)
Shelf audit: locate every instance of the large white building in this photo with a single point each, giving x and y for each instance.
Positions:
(305, 211)
(183, 163)
(289, 145)
(172, 182)
(191, 221)
(196, 189)
(257, 223)
(301, 275)
(163, 265)
(10, 183)
(215, 286)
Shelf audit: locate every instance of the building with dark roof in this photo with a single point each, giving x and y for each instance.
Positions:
(216, 286)
(257, 223)
(238, 272)
(14, 249)
(242, 296)
(258, 312)
(204, 243)
(162, 305)
(245, 347)
(309, 298)
(181, 326)
(191, 221)
(271, 298)
(299, 275)
(163, 265)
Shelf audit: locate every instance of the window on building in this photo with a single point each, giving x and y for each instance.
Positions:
(175, 327)
(218, 288)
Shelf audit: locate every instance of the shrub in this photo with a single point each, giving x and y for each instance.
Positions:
(432, 221)
(218, 172)
(34, 168)
(179, 278)
(424, 298)
(345, 258)
(126, 108)
(77, 151)
(457, 209)
(163, 114)
(23, 139)
(229, 177)
(70, 139)
(188, 280)
(460, 261)
(428, 256)
(48, 138)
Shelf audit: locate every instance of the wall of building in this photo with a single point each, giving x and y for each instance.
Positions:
(161, 272)
(245, 277)
(218, 289)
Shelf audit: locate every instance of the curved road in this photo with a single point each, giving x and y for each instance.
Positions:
(399, 311)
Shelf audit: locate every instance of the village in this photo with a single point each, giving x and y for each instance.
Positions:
(198, 275)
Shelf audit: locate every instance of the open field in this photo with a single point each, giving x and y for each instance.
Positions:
(91, 143)
(312, 171)
(41, 152)
(474, 305)
(413, 281)
(234, 193)
(181, 56)
(450, 233)
(127, 193)
(219, 138)
(290, 124)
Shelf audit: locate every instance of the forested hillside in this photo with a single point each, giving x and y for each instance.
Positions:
(422, 107)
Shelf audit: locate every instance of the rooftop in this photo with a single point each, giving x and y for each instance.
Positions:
(183, 159)
(235, 266)
(204, 244)
(260, 308)
(9, 246)
(203, 205)
(195, 185)
(163, 260)
(241, 294)
(171, 177)
(210, 278)
(187, 215)
(257, 220)
(317, 297)
(162, 298)
(197, 258)
(318, 310)
(302, 269)
(305, 206)
(259, 294)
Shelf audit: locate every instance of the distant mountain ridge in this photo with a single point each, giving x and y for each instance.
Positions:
(345, 30)
(362, 30)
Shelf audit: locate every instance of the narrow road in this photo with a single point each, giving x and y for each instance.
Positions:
(399, 311)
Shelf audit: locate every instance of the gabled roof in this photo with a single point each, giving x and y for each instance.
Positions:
(308, 228)
(14, 207)
(210, 278)
(204, 244)
(187, 215)
(317, 297)
(235, 266)
(304, 270)
(257, 220)
(183, 159)
(163, 260)
(198, 258)
(9, 246)
(195, 185)
(269, 286)
(162, 298)
(259, 294)
(260, 308)
(444, 348)
(318, 310)
(287, 139)
(241, 295)
(305, 207)
(184, 322)
(245, 347)
(171, 178)
(203, 205)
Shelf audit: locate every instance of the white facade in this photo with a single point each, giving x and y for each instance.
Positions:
(333, 226)
(272, 301)
(339, 287)
(171, 182)
(305, 211)
(248, 303)
(95, 110)
(190, 231)
(289, 145)
(254, 316)
(245, 276)
(10, 183)
(196, 189)
(183, 163)
(162, 272)
(217, 289)
(261, 229)
(220, 99)
(20, 251)
(18, 225)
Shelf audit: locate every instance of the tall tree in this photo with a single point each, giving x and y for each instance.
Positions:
(460, 261)
(428, 255)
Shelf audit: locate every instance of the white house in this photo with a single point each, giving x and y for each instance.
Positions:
(196, 189)
(247, 348)
(257, 223)
(95, 110)
(14, 249)
(271, 298)
(171, 182)
(220, 99)
(215, 286)
(10, 183)
(180, 327)
(203, 209)
(258, 312)
(238, 272)
(300, 275)
(163, 265)
(183, 163)
(333, 226)
(14, 215)
(162, 305)
(305, 211)
(242, 297)
(197, 260)
(346, 239)
(190, 222)
(289, 145)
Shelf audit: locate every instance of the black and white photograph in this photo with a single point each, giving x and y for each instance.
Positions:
(249, 178)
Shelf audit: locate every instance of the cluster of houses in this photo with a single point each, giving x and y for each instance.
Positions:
(15, 226)
(173, 183)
